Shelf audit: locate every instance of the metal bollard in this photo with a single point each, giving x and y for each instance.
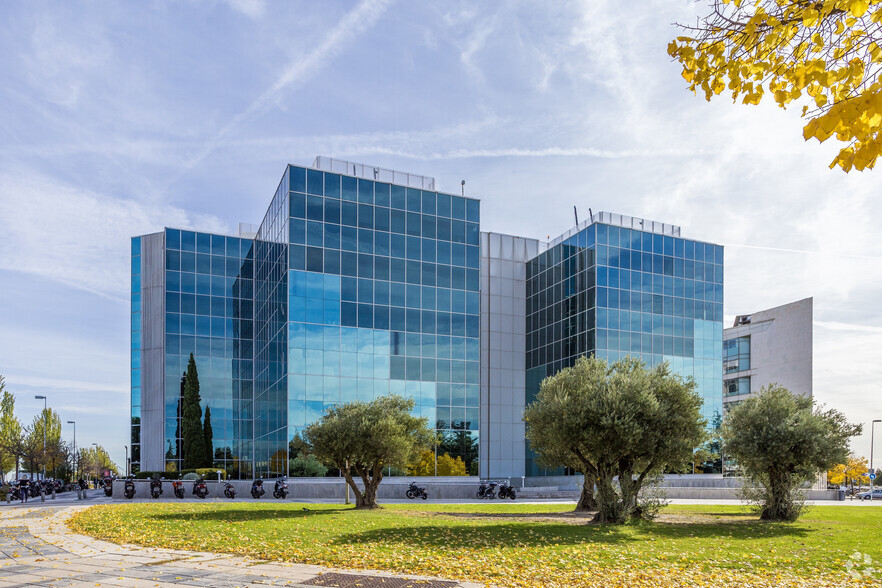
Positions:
(79, 493)
(42, 495)
(53, 494)
(8, 500)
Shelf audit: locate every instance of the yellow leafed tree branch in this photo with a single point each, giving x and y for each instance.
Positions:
(824, 55)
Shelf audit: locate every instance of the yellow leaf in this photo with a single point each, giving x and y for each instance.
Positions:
(859, 7)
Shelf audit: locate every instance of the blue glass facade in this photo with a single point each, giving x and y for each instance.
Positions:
(354, 287)
(383, 297)
(136, 352)
(612, 292)
(207, 312)
(351, 289)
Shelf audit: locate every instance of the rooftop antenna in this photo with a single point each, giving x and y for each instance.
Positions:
(591, 215)
(576, 214)
(462, 187)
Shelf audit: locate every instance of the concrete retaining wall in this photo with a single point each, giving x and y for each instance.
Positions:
(440, 488)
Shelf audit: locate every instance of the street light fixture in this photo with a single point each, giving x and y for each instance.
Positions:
(43, 398)
(76, 455)
(872, 431)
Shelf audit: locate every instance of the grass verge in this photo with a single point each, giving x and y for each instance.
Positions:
(519, 544)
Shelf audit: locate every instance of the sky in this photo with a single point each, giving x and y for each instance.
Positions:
(122, 118)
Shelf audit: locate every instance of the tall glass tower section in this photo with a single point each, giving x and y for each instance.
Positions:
(363, 288)
(195, 290)
(624, 286)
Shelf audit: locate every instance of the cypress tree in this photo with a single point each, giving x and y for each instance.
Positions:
(208, 434)
(192, 437)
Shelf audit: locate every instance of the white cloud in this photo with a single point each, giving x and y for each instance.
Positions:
(61, 58)
(75, 236)
(250, 8)
(299, 70)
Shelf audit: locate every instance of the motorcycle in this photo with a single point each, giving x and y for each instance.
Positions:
(414, 491)
(280, 490)
(257, 488)
(108, 486)
(229, 490)
(129, 490)
(506, 491)
(16, 492)
(200, 488)
(155, 487)
(487, 490)
(178, 488)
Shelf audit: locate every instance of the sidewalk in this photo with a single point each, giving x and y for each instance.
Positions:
(37, 549)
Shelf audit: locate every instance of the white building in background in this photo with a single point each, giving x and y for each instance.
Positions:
(772, 346)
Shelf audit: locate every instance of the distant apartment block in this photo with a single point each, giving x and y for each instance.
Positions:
(766, 347)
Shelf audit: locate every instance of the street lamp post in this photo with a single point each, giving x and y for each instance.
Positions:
(872, 431)
(127, 460)
(76, 455)
(96, 459)
(43, 398)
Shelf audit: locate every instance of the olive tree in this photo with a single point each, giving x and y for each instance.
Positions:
(367, 437)
(781, 440)
(620, 424)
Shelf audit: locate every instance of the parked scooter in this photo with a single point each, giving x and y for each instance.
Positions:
(178, 488)
(200, 488)
(129, 490)
(280, 490)
(108, 486)
(155, 487)
(257, 488)
(487, 490)
(229, 490)
(414, 491)
(506, 491)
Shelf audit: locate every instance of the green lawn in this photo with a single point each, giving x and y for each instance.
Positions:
(518, 544)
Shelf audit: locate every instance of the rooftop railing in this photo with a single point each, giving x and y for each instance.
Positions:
(620, 220)
(371, 172)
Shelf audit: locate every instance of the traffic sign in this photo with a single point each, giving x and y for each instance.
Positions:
(872, 476)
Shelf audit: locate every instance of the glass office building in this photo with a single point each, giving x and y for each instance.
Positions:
(352, 288)
(621, 286)
(362, 281)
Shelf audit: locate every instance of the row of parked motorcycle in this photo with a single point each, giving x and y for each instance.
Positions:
(491, 490)
(487, 490)
(200, 488)
(33, 488)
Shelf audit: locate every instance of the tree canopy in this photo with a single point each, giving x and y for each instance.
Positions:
(854, 470)
(10, 431)
(824, 55)
(782, 440)
(367, 437)
(193, 440)
(618, 420)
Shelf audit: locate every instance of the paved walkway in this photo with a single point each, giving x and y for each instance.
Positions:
(38, 549)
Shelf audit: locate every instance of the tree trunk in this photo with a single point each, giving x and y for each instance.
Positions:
(779, 504)
(368, 499)
(347, 475)
(587, 501)
(609, 507)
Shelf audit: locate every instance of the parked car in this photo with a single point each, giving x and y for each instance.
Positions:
(877, 494)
